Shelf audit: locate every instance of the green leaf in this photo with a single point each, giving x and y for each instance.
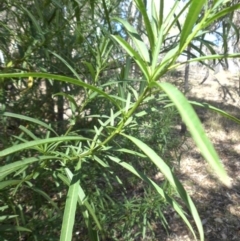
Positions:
(168, 22)
(70, 98)
(111, 117)
(166, 61)
(45, 195)
(217, 110)
(137, 58)
(10, 228)
(63, 79)
(134, 153)
(107, 15)
(28, 132)
(101, 162)
(156, 49)
(219, 14)
(208, 57)
(143, 10)
(6, 217)
(158, 13)
(194, 125)
(12, 167)
(166, 171)
(218, 3)
(30, 144)
(192, 16)
(33, 120)
(35, 23)
(171, 201)
(140, 45)
(67, 64)
(82, 200)
(4, 184)
(70, 206)
(90, 69)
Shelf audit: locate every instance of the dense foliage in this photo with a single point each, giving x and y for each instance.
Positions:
(88, 120)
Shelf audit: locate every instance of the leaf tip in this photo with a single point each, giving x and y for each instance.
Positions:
(227, 182)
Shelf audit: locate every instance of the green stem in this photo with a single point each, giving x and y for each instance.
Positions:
(120, 125)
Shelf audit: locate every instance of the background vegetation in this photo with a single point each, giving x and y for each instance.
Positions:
(87, 121)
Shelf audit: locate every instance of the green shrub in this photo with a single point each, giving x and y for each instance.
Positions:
(94, 172)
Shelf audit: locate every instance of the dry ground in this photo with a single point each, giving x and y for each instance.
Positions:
(219, 207)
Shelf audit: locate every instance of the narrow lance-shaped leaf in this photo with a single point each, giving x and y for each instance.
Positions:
(90, 69)
(44, 194)
(7, 217)
(166, 61)
(209, 57)
(30, 144)
(222, 13)
(213, 108)
(82, 200)
(192, 16)
(70, 206)
(107, 15)
(194, 125)
(62, 78)
(158, 13)
(125, 45)
(11, 228)
(35, 23)
(30, 119)
(139, 44)
(168, 19)
(28, 132)
(157, 48)
(171, 201)
(142, 8)
(12, 167)
(7, 183)
(67, 64)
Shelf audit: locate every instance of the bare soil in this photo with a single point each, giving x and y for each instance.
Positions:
(218, 206)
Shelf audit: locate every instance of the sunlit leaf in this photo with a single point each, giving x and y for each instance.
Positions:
(143, 10)
(139, 44)
(217, 110)
(191, 18)
(195, 128)
(126, 46)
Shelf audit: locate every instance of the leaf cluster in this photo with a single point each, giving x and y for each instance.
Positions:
(95, 122)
